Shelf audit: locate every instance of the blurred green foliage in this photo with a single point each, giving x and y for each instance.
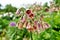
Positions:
(13, 33)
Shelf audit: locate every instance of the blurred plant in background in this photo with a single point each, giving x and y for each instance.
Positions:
(37, 22)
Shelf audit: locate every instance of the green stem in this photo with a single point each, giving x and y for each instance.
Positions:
(31, 35)
(52, 24)
(0, 38)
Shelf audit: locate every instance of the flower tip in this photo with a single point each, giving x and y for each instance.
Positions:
(28, 11)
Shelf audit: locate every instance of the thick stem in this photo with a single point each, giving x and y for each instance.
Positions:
(31, 35)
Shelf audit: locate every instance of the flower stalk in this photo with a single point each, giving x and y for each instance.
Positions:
(31, 35)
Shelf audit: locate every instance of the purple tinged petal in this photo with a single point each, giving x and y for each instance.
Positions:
(38, 25)
(12, 24)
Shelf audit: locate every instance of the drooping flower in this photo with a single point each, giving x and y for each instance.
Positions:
(38, 25)
(47, 25)
(12, 24)
(41, 17)
(28, 12)
(31, 15)
(20, 25)
(23, 19)
(18, 11)
(26, 23)
(35, 22)
(29, 27)
(34, 27)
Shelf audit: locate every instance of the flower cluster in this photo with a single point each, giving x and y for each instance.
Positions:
(32, 24)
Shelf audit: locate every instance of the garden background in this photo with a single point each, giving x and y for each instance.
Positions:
(30, 22)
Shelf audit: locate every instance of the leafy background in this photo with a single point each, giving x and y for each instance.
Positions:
(13, 33)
